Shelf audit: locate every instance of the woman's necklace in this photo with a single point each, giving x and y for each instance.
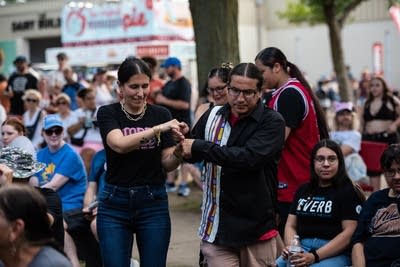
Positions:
(129, 116)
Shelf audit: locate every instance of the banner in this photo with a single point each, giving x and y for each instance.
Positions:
(127, 21)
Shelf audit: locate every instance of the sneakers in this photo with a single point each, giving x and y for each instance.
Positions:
(170, 187)
(183, 190)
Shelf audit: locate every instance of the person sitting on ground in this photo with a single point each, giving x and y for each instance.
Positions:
(25, 225)
(380, 120)
(66, 175)
(67, 116)
(85, 135)
(33, 116)
(11, 129)
(17, 165)
(96, 180)
(377, 236)
(349, 140)
(324, 212)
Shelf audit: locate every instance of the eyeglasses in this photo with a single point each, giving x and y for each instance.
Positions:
(31, 100)
(62, 103)
(57, 131)
(322, 159)
(218, 90)
(391, 172)
(247, 93)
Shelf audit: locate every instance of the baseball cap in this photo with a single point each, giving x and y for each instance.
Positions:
(20, 59)
(340, 106)
(52, 120)
(171, 61)
(21, 162)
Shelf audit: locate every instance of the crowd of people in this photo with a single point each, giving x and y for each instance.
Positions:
(88, 166)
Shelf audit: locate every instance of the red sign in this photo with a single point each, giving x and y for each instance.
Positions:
(377, 58)
(152, 50)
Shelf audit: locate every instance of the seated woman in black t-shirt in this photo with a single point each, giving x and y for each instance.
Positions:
(324, 212)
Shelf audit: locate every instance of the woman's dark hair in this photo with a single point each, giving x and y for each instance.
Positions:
(390, 155)
(132, 66)
(221, 72)
(151, 62)
(341, 177)
(17, 124)
(248, 70)
(26, 203)
(269, 57)
(84, 92)
(386, 95)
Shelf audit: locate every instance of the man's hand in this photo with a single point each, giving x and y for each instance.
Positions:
(187, 148)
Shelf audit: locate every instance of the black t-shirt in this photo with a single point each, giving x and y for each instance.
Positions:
(320, 215)
(141, 166)
(379, 230)
(291, 106)
(178, 90)
(19, 83)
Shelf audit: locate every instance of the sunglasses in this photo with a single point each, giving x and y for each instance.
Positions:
(62, 103)
(31, 100)
(57, 131)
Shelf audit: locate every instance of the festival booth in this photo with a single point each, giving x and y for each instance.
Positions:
(106, 34)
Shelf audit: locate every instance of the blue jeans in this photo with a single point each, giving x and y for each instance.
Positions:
(341, 260)
(142, 210)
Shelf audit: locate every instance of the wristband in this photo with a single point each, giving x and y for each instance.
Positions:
(316, 256)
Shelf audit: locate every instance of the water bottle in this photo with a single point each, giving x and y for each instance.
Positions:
(294, 248)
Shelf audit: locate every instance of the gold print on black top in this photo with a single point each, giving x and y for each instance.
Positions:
(386, 222)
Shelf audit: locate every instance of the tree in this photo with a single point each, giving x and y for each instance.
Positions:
(215, 26)
(334, 14)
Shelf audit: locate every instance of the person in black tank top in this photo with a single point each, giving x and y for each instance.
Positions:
(380, 126)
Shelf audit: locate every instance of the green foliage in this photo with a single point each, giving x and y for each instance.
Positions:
(301, 11)
(312, 11)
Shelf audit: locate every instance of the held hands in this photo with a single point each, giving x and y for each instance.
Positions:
(179, 129)
(187, 148)
(183, 150)
(298, 259)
